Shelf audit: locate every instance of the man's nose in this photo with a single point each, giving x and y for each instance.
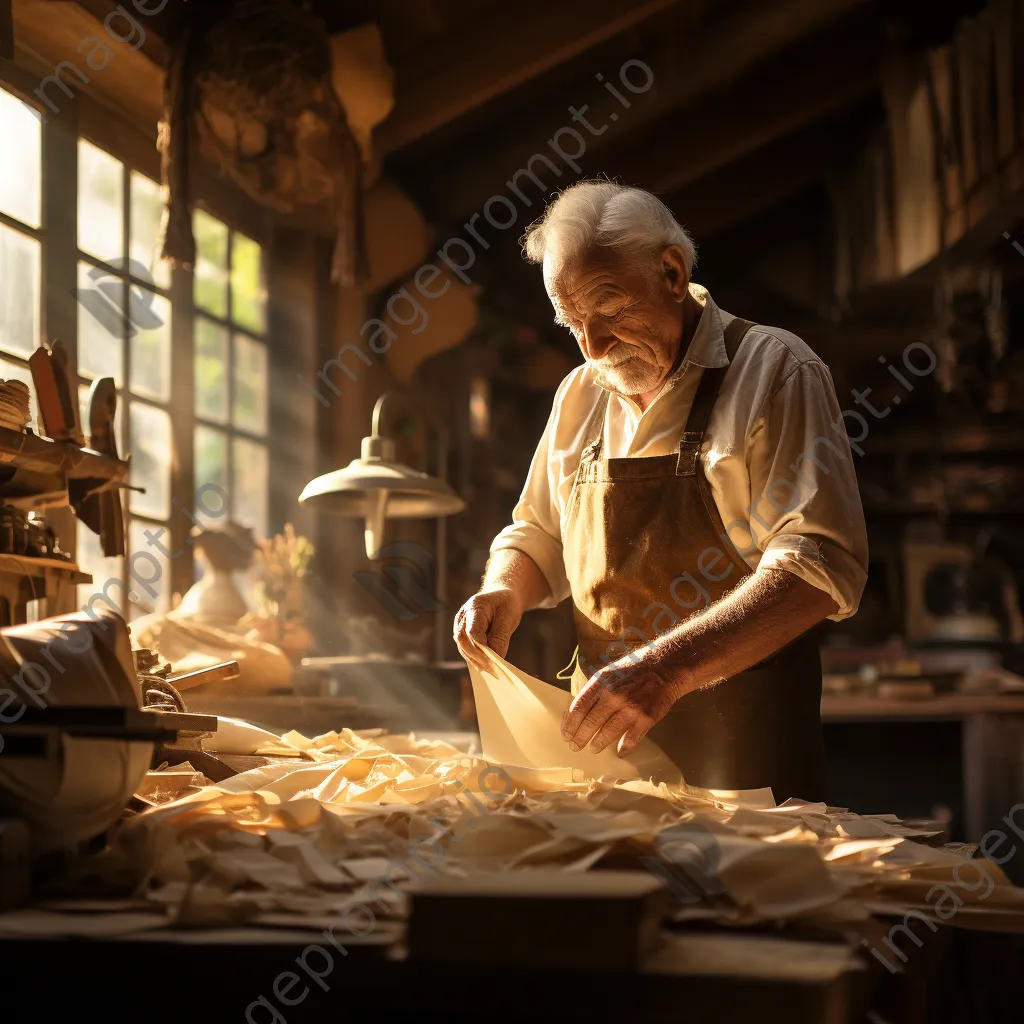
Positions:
(597, 337)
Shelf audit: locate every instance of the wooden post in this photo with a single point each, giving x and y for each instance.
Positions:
(60, 262)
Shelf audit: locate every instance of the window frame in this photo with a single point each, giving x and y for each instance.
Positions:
(127, 397)
(15, 82)
(135, 148)
(233, 328)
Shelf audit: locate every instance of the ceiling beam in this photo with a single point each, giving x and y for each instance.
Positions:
(497, 54)
(454, 184)
(728, 48)
(156, 27)
(55, 32)
(742, 190)
(695, 143)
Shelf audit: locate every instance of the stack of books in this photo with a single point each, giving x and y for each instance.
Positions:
(14, 404)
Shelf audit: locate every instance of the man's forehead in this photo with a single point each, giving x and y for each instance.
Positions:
(565, 276)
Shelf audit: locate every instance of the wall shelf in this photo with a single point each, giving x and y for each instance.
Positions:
(25, 450)
(37, 472)
(39, 567)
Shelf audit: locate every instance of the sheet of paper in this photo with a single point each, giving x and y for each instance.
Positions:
(520, 723)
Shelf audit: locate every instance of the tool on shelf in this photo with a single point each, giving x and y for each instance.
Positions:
(58, 410)
(101, 510)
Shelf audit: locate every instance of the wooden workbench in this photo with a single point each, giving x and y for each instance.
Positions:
(216, 975)
(983, 734)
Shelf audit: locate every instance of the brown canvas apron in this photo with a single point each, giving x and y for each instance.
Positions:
(644, 548)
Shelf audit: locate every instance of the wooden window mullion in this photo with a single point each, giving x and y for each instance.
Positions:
(230, 371)
(182, 408)
(60, 263)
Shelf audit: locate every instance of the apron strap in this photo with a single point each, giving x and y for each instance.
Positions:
(703, 401)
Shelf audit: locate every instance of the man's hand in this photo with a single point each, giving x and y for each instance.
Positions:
(759, 617)
(621, 703)
(487, 619)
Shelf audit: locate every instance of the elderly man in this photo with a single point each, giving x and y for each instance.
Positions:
(694, 494)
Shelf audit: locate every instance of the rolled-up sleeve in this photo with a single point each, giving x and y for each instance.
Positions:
(536, 524)
(807, 517)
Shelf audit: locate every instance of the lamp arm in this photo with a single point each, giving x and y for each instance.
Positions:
(407, 400)
(425, 420)
(411, 405)
(378, 409)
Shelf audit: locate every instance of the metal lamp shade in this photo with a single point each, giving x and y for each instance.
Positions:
(376, 489)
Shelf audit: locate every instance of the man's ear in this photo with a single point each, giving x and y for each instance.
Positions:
(673, 265)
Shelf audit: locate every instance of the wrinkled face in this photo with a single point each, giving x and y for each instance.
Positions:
(627, 316)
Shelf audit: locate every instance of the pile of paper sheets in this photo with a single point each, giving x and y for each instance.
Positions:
(350, 817)
(298, 843)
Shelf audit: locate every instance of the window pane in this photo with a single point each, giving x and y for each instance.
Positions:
(211, 467)
(100, 323)
(146, 211)
(250, 484)
(16, 371)
(100, 203)
(19, 292)
(247, 295)
(151, 344)
(211, 274)
(89, 558)
(211, 355)
(151, 460)
(249, 408)
(20, 168)
(150, 573)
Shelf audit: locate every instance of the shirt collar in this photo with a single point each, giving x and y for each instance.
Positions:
(707, 347)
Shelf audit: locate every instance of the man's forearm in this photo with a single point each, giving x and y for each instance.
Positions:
(517, 571)
(752, 622)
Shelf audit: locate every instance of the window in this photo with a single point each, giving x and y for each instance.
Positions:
(20, 237)
(188, 351)
(124, 332)
(231, 371)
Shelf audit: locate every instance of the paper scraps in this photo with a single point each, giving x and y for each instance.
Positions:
(365, 815)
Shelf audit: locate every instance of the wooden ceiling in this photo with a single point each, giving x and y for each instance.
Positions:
(753, 103)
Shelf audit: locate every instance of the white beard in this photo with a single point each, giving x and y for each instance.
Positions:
(625, 371)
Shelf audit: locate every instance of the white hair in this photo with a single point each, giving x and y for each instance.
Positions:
(602, 213)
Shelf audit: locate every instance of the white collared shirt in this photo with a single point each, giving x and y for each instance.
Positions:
(776, 431)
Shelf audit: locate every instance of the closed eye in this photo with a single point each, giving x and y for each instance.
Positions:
(611, 305)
